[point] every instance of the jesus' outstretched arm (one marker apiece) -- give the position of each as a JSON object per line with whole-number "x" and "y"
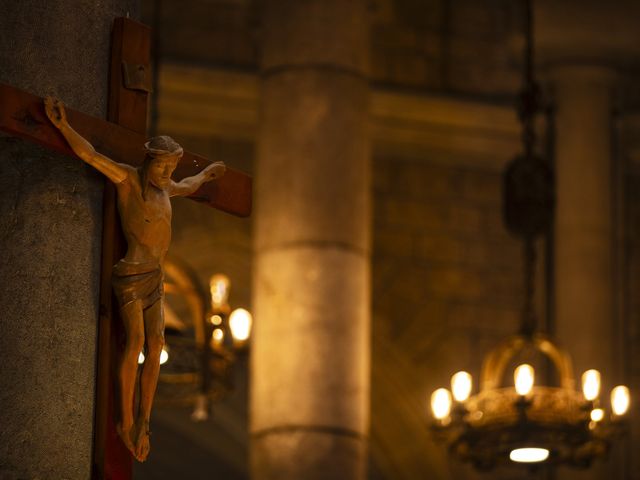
{"x": 189, "y": 185}
{"x": 114, "y": 171}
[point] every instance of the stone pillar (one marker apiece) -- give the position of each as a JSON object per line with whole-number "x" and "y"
{"x": 310, "y": 350}
{"x": 50, "y": 230}
{"x": 581, "y": 66}
{"x": 584, "y": 261}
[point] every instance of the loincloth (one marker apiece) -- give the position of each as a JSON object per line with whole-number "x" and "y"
{"x": 137, "y": 281}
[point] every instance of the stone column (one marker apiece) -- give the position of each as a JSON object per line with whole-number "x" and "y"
{"x": 50, "y": 230}
{"x": 584, "y": 261}
{"x": 581, "y": 64}
{"x": 310, "y": 352}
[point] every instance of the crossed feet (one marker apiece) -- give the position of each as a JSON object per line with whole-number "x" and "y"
{"x": 136, "y": 439}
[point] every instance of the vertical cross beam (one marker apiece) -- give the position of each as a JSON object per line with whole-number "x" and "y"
{"x": 128, "y": 101}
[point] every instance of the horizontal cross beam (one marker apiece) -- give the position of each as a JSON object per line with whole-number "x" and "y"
{"x": 22, "y": 115}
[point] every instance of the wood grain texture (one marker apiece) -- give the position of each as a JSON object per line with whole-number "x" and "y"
{"x": 22, "y": 115}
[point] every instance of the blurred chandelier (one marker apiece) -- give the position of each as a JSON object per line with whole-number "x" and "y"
{"x": 203, "y": 340}
{"x": 528, "y": 423}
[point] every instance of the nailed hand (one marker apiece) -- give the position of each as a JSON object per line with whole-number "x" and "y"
{"x": 215, "y": 170}
{"x": 55, "y": 111}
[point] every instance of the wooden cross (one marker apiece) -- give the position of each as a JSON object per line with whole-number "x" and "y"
{"x": 122, "y": 139}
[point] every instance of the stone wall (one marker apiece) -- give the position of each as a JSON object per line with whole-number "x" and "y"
{"x": 459, "y": 46}
{"x": 448, "y": 45}
{"x": 446, "y": 288}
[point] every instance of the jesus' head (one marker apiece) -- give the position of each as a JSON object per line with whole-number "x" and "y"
{"x": 161, "y": 159}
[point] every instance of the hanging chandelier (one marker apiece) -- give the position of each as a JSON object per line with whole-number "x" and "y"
{"x": 527, "y": 422}
{"x": 204, "y": 340}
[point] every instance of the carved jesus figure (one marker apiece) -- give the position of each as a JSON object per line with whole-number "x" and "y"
{"x": 145, "y": 214}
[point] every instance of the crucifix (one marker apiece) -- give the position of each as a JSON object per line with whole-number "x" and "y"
{"x": 145, "y": 212}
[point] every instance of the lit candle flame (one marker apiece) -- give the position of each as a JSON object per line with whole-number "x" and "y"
{"x": 591, "y": 384}
{"x": 441, "y": 403}
{"x": 461, "y": 385}
{"x": 620, "y": 400}
{"x": 164, "y": 356}
{"x": 217, "y": 337}
{"x": 240, "y": 322}
{"x": 524, "y": 378}
{"x": 219, "y": 287}
{"x": 597, "y": 414}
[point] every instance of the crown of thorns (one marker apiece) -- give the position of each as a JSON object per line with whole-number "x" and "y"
{"x": 162, "y": 146}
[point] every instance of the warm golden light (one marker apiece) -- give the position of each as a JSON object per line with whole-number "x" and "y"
{"x": 164, "y": 356}
{"x": 620, "y": 400}
{"x": 217, "y": 337}
{"x": 215, "y": 319}
{"x": 529, "y": 455}
{"x": 591, "y": 385}
{"x": 461, "y": 384}
{"x": 201, "y": 411}
{"x": 441, "y": 403}
{"x": 524, "y": 377}
{"x": 219, "y": 285}
{"x": 240, "y": 324}
{"x": 597, "y": 414}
